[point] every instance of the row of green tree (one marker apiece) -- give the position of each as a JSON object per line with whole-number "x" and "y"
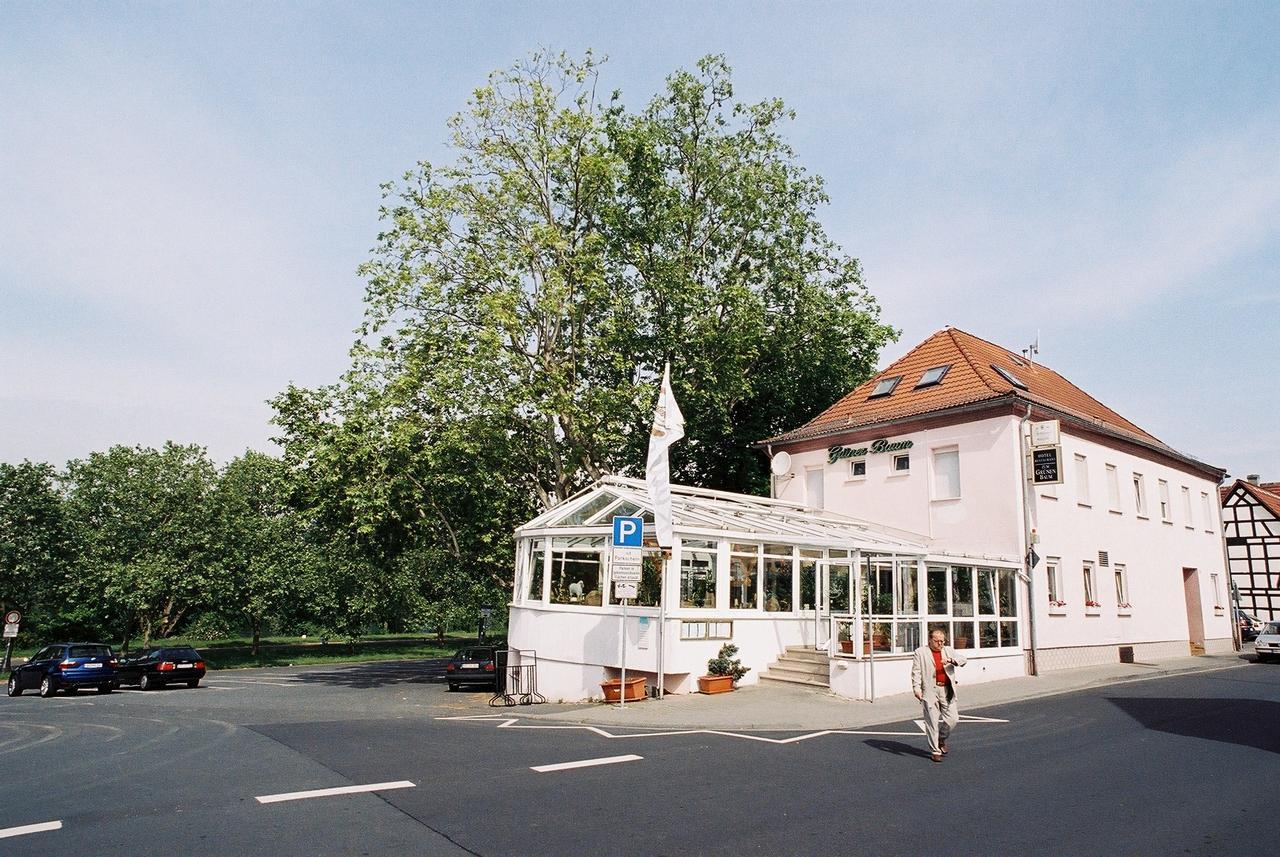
{"x": 520, "y": 303}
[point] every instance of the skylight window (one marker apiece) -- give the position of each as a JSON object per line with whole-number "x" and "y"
{"x": 932, "y": 376}
{"x": 1009, "y": 376}
{"x": 885, "y": 387}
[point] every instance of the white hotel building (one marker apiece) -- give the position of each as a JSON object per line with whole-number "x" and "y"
{"x": 901, "y": 508}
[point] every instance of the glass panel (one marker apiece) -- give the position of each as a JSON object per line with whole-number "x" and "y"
{"x": 535, "y": 573}
{"x": 908, "y": 589}
{"x": 1008, "y": 633}
{"x": 625, "y": 508}
{"x": 944, "y": 627}
{"x": 575, "y": 578}
{"x": 987, "y": 636}
{"x": 986, "y": 591}
{"x": 777, "y": 585}
{"x": 882, "y": 585}
{"x": 838, "y": 597}
{"x": 908, "y": 639}
{"x": 751, "y": 549}
{"x": 961, "y": 590}
{"x": 880, "y": 635}
{"x": 808, "y": 584}
{"x": 834, "y": 553}
{"x": 742, "y": 582}
{"x": 649, "y": 591}
{"x": 1051, "y": 574}
{"x": 1008, "y": 595}
{"x": 962, "y": 635}
{"x": 936, "y": 587}
{"x": 697, "y": 576}
{"x": 815, "y": 554}
{"x": 584, "y": 512}
{"x": 777, "y": 550}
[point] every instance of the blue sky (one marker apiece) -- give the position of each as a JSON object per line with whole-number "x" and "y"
{"x": 186, "y": 190}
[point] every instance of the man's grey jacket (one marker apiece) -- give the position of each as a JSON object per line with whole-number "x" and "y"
{"x": 922, "y": 669}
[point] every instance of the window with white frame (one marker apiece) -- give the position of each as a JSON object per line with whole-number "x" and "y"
{"x": 1139, "y": 495}
{"x": 1122, "y": 587}
{"x": 576, "y": 571}
{"x": 699, "y": 570}
{"x": 1166, "y": 507}
{"x": 902, "y": 463}
{"x": 744, "y": 576}
{"x": 779, "y": 578}
{"x": 1113, "y": 488}
{"x": 1187, "y": 512}
{"x": 858, "y": 468}
{"x": 1090, "y": 589}
{"x": 1082, "y": 480}
{"x": 946, "y": 473}
{"x": 1210, "y": 512}
{"x": 1216, "y": 587}
{"x": 1053, "y": 577}
{"x": 974, "y": 607}
{"x": 535, "y": 571}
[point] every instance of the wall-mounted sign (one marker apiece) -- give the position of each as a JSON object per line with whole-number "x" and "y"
{"x": 624, "y": 589}
{"x": 1045, "y": 433}
{"x": 1046, "y": 465}
{"x": 837, "y": 453}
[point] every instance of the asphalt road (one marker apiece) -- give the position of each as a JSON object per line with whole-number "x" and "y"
{"x": 1168, "y": 766}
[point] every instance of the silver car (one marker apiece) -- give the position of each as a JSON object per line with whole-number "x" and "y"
{"x": 1267, "y": 646}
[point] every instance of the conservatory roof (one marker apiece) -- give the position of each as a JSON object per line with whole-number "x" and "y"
{"x": 702, "y": 512}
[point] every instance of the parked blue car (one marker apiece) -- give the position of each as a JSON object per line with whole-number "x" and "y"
{"x": 69, "y": 667}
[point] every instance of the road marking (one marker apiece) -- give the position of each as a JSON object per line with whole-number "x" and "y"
{"x": 503, "y": 722}
{"x": 341, "y": 790}
{"x": 30, "y": 828}
{"x": 585, "y": 763}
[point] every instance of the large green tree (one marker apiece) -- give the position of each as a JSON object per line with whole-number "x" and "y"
{"x": 522, "y": 300}
{"x": 34, "y": 542}
{"x": 143, "y": 528}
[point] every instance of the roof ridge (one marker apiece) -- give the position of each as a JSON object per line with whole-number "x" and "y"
{"x": 964, "y": 352}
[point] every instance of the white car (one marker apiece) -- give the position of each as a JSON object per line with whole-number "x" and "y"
{"x": 1267, "y": 646}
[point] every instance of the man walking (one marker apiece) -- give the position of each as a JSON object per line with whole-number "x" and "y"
{"x": 933, "y": 678}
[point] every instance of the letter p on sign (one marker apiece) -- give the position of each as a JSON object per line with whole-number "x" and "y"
{"x": 628, "y": 532}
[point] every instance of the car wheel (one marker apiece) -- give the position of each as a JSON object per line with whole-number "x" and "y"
{"x": 145, "y": 682}
{"x": 105, "y": 688}
{"x": 195, "y": 682}
{"x": 47, "y": 687}
{"x": 453, "y": 685}
{"x": 15, "y": 689}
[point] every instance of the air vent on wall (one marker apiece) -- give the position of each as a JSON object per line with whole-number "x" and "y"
{"x": 1104, "y": 559}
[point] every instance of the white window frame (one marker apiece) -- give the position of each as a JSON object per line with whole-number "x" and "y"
{"x": 906, "y": 471}
{"x": 1053, "y": 584}
{"x": 1139, "y": 494}
{"x": 1209, "y": 512}
{"x": 937, "y": 485}
{"x": 1166, "y": 504}
{"x": 1216, "y": 586}
{"x": 1113, "y": 489}
{"x": 1188, "y": 508}
{"x": 857, "y": 477}
{"x": 1082, "y": 480}
{"x": 1090, "y": 588}
{"x": 1122, "y": 588}
{"x": 809, "y": 474}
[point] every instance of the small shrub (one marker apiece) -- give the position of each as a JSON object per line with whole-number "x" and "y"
{"x": 726, "y": 664}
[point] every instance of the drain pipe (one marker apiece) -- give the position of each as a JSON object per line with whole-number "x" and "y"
{"x": 1026, "y": 533}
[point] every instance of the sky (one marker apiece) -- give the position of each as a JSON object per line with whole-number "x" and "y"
{"x": 186, "y": 190}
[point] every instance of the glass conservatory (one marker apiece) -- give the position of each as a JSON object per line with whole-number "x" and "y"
{"x": 765, "y": 574}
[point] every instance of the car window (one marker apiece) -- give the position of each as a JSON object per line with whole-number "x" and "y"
{"x": 89, "y": 652}
{"x": 1272, "y": 628}
{"x": 44, "y": 654}
{"x": 186, "y": 654}
{"x": 477, "y": 654}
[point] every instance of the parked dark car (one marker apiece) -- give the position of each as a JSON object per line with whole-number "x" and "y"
{"x": 1249, "y": 626}
{"x": 66, "y": 666}
{"x": 160, "y": 666}
{"x": 473, "y": 666}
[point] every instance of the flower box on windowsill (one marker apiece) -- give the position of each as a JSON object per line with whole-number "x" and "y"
{"x": 1057, "y": 608}
{"x": 1218, "y": 611}
{"x": 1124, "y": 609}
{"x": 1092, "y": 608}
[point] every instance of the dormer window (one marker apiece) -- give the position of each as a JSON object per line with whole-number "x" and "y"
{"x": 932, "y": 376}
{"x": 885, "y": 387}
{"x": 1009, "y": 376}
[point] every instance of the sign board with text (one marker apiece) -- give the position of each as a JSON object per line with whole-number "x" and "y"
{"x": 625, "y": 589}
{"x": 11, "y": 629}
{"x": 1045, "y": 433}
{"x": 1046, "y": 465}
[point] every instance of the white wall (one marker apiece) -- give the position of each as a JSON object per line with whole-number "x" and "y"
{"x": 852, "y": 678}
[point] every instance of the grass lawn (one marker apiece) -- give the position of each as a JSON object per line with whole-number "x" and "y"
{"x": 289, "y": 651}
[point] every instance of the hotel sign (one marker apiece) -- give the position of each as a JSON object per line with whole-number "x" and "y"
{"x": 1046, "y": 465}
{"x": 838, "y": 453}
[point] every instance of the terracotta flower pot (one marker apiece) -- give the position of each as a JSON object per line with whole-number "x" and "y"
{"x": 715, "y": 683}
{"x": 846, "y": 646}
{"x": 613, "y": 689}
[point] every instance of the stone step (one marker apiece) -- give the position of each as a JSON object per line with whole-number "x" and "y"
{"x": 805, "y": 654}
{"x": 810, "y": 667}
{"x": 787, "y": 672}
{"x": 793, "y": 678}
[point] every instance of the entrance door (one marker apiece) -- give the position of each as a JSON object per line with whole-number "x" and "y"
{"x": 1195, "y": 614}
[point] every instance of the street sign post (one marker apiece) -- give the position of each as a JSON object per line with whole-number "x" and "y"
{"x": 625, "y": 560}
{"x": 11, "y": 622}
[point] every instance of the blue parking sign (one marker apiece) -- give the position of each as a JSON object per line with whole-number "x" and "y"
{"x": 628, "y": 532}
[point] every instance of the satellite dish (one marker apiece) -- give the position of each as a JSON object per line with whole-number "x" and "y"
{"x": 780, "y": 464}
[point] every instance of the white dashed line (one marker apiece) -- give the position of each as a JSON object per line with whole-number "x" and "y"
{"x": 30, "y": 828}
{"x": 585, "y": 763}
{"x": 341, "y": 790}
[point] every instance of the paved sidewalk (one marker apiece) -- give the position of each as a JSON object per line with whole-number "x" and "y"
{"x": 774, "y": 706}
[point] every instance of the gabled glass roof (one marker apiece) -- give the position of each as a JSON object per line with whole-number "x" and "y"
{"x": 701, "y": 512}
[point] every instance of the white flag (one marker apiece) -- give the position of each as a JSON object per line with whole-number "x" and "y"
{"x": 668, "y": 427}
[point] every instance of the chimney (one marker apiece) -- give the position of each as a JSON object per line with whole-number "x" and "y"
{"x": 1253, "y": 478}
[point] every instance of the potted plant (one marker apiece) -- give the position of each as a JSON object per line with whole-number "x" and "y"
{"x": 723, "y": 671}
{"x": 846, "y": 638}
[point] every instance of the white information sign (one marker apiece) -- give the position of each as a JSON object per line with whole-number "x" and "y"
{"x": 627, "y": 556}
{"x": 11, "y": 629}
{"x": 1045, "y": 433}
{"x": 626, "y": 573}
{"x": 625, "y": 589}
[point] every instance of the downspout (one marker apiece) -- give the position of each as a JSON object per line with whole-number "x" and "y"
{"x": 1026, "y": 533}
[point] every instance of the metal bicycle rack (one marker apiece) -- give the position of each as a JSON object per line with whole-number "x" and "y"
{"x": 516, "y": 684}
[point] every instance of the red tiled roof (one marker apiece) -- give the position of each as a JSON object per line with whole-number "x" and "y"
{"x": 970, "y": 379}
{"x": 1267, "y": 493}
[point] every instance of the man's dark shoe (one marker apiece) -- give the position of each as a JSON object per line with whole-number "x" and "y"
{"x": 943, "y": 747}
{"x": 937, "y": 757}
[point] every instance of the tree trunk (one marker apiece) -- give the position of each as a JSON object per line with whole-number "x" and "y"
{"x": 145, "y": 622}
{"x": 257, "y": 633}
